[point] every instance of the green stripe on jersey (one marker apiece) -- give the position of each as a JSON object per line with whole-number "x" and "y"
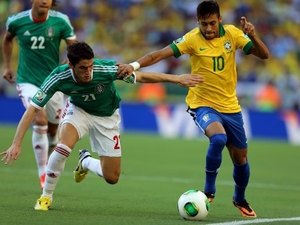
{"x": 98, "y": 97}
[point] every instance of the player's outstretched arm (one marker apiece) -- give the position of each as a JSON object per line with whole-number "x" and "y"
{"x": 186, "y": 80}
{"x": 13, "y": 152}
{"x": 146, "y": 60}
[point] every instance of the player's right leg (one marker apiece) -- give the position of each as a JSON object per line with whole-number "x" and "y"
{"x": 54, "y": 109}
{"x": 56, "y": 164}
{"x": 74, "y": 126}
{"x": 209, "y": 121}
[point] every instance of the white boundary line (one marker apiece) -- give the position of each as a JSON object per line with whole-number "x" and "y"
{"x": 266, "y": 220}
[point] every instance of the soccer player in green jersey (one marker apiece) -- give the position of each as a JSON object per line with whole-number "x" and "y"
{"x": 93, "y": 109}
{"x": 39, "y": 32}
{"x": 213, "y": 104}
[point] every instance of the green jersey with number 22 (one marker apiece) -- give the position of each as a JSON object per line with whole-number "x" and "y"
{"x": 39, "y": 43}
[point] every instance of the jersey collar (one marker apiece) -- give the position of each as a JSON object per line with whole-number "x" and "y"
{"x": 37, "y": 21}
{"x": 221, "y": 30}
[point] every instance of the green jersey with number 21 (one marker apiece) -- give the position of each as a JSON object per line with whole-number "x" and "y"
{"x": 98, "y": 97}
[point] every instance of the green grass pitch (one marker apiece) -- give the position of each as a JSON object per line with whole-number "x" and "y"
{"x": 155, "y": 171}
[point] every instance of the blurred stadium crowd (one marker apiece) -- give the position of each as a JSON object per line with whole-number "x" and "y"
{"x": 125, "y": 30}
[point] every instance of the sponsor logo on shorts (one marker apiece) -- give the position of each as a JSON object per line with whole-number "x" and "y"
{"x": 205, "y": 118}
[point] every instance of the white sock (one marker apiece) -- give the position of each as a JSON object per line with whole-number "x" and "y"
{"x": 92, "y": 165}
{"x": 40, "y": 147}
{"x": 55, "y": 167}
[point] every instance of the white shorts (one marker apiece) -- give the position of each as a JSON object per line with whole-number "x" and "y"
{"x": 104, "y": 132}
{"x": 53, "y": 108}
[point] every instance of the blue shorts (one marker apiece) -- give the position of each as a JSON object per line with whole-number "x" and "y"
{"x": 232, "y": 122}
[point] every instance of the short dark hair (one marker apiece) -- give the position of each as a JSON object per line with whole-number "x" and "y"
{"x": 207, "y": 8}
{"x": 79, "y": 51}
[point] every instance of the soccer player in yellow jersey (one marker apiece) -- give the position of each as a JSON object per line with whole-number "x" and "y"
{"x": 213, "y": 104}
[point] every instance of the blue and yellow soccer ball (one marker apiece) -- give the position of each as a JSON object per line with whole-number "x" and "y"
{"x": 193, "y": 205}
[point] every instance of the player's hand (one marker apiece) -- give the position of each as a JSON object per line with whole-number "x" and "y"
{"x": 9, "y": 76}
{"x": 124, "y": 70}
{"x": 190, "y": 80}
{"x": 247, "y": 27}
{"x": 11, "y": 154}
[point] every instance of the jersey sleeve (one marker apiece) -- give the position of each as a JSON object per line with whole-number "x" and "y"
{"x": 40, "y": 99}
{"x": 46, "y": 91}
{"x": 182, "y": 45}
{"x": 242, "y": 40}
{"x": 10, "y": 25}
{"x": 67, "y": 28}
{"x": 107, "y": 67}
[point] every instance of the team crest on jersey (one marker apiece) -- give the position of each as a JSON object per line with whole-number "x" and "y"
{"x": 228, "y": 46}
{"x": 40, "y": 96}
{"x": 50, "y": 32}
{"x": 99, "y": 88}
{"x": 179, "y": 40}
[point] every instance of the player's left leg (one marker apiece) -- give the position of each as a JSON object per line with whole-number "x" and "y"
{"x": 111, "y": 167}
{"x": 237, "y": 147}
{"x": 241, "y": 171}
{"x": 106, "y": 167}
{"x": 105, "y": 141}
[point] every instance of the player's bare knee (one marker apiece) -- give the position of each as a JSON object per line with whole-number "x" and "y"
{"x": 112, "y": 178}
{"x": 239, "y": 159}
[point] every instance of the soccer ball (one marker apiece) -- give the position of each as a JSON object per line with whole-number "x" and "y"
{"x": 193, "y": 205}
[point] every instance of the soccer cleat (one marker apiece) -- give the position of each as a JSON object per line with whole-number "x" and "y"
{"x": 210, "y": 196}
{"x": 42, "y": 180}
{"x": 80, "y": 173}
{"x": 43, "y": 203}
{"x": 245, "y": 209}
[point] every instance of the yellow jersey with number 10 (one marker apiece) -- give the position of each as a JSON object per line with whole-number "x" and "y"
{"x": 215, "y": 61}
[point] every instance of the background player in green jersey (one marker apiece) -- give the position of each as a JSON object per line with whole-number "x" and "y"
{"x": 213, "y": 104}
{"x": 93, "y": 109}
{"x": 39, "y": 32}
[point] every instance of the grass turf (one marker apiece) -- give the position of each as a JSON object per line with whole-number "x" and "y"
{"x": 155, "y": 171}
